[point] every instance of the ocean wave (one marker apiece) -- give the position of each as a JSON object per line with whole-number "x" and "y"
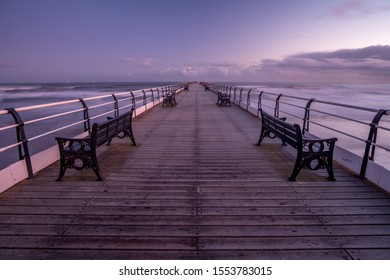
{"x": 18, "y": 88}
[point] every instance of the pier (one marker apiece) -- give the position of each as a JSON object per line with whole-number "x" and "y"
{"x": 196, "y": 186}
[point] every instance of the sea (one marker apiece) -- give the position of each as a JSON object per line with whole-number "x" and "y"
{"x": 351, "y": 134}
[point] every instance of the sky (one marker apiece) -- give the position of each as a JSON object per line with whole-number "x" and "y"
{"x": 186, "y": 40}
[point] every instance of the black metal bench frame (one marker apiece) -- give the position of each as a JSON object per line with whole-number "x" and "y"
{"x": 312, "y": 153}
{"x": 169, "y": 99}
{"x": 223, "y": 99}
{"x": 79, "y": 153}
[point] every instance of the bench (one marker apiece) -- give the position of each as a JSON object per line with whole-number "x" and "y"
{"x": 169, "y": 99}
{"x": 312, "y": 153}
{"x": 79, "y": 153}
{"x": 223, "y": 99}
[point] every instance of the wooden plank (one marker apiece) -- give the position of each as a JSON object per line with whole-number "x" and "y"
{"x": 381, "y": 210}
{"x": 302, "y": 243}
{"x": 145, "y": 210}
{"x": 119, "y": 254}
{"x": 356, "y": 219}
{"x": 97, "y": 242}
{"x": 39, "y": 210}
{"x": 369, "y": 254}
{"x": 130, "y": 219}
{"x": 293, "y": 231}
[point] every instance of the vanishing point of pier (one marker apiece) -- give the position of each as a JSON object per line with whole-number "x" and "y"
{"x": 195, "y": 187}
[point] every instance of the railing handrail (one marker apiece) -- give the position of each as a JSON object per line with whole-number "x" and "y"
{"x": 349, "y": 106}
{"x": 374, "y": 125}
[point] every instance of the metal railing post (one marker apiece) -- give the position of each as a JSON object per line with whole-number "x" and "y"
{"x": 144, "y": 99}
{"x": 132, "y": 99}
{"x": 152, "y": 96}
{"x": 259, "y": 103}
{"x": 306, "y": 118}
{"x": 372, "y": 135}
{"x": 87, "y": 120}
{"x": 116, "y": 105}
{"x": 277, "y": 106}
{"x": 240, "y": 97}
{"x": 248, "y": 99}
{"x": 21, "y": 137}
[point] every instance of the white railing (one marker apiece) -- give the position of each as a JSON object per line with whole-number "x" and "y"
{"x": 367, "y": 128}
{"x": 34, "y": 125}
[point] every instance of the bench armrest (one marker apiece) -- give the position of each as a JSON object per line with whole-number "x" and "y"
{"x": 74, "y": 144}
{"x": 331, "y": 139}
{"x": 314, "y": 145}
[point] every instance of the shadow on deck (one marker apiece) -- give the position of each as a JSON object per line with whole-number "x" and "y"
{"x": 196, "y": 187}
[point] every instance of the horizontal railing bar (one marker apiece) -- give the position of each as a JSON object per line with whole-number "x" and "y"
{"x": 54, "y": 116}
{"x": 336, "y": 130}
{"x": 102, "y": 114}
{"x": 268, "y": 98}
{"x": 55, "y": 130}
{"x": 126, "y": 106}
{"x": 380, "y": 146}
{"x": 290, "y": 114}
{"x": 3, "y": 149}
{"x": 124, "y": 99}
{"x": 294, "y": 97}
{"x": 101, "y": 105}
{"x": 382, "y": 127}
{"x": 97, "y": 97}
{"x": 41, "y": 106}
{"x": 347, "y": 106}
{"x": 8, "y": 127}
{"x": 283, "y": 95}
{"x": 122, "y": 93}
{"x": 325, "y": 102}
{"x": 3, "y": 112}
{"x": 292, "y": 105}
{"x": 338, "y": 116}
{"x": 265, "y": 105}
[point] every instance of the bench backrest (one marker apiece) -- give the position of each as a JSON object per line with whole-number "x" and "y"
{"x": 289, "y": 133}
{"x": 103, "y": 132}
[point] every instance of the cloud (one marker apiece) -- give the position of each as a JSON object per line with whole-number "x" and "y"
{"x": 369, "y": 64}
{"x": 211, "y": 71}
{"x": 355, "y": 9}
{"x": 140, "y": 62}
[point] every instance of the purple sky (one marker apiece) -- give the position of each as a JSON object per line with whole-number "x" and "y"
{"x": 184, "y": 40}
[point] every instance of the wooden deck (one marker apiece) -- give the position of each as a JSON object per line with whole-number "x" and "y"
{"x": 196, "y": 187}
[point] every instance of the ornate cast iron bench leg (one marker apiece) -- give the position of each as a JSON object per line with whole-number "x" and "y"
{"x": 315, "y": 154}
{"x": 78, "y": 154}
